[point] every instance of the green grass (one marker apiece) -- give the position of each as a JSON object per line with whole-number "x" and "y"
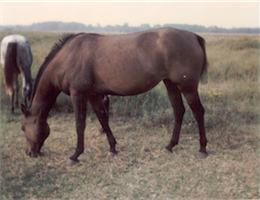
{"x": 142, "y": 126}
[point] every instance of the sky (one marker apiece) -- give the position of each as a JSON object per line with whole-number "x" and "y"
{"x": 224, "y": 14}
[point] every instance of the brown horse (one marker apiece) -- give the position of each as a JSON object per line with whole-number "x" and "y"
{"x": 90, "y": 66}
{"x": 16, "y": 58}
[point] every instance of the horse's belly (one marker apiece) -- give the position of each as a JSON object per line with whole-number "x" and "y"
{"x": 130, "y": 85}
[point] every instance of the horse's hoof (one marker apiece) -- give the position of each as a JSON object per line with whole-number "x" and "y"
{"x": 167, "y": 151}
{"x": 202, "y": 154}
{"x": 70, "y": 162}
{"x": 101, "y": 132}
{"x": 111, "y": 154}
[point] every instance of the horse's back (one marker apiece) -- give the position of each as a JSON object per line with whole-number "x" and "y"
{"x": 113, "y": 64}
{"x": 127, "y": 64}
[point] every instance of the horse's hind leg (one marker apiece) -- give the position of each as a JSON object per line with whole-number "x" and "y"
{"x": 101, "y": 111}
{"x": 193, "y": 100}
{"x": 10, "y": 90}
{"x": 16, "y": 89}
{"x": 174, "y": 95}
{"x": 105, "y": 102}
{"x": 11, "y": 94}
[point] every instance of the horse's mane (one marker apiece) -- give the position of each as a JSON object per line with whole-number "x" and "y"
{"x": 55, "y": 49}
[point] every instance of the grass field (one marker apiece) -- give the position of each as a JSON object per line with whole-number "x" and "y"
{"x": 142, "y": 126}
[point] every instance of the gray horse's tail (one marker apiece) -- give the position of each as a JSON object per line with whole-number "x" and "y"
{"x": 10, "y": 65}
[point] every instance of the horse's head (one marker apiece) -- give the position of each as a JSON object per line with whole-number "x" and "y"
{"x": 36, "y": 131}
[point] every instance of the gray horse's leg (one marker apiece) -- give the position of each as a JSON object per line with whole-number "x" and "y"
{"x": 16, "y": 89}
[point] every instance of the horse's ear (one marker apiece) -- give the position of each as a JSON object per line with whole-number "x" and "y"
{"x": 24, "y": 110}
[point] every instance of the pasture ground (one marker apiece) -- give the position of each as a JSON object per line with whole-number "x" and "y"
{"x": 142, "y": 126}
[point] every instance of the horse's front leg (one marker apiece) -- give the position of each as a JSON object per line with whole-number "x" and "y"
{"x": 80, "y": 108}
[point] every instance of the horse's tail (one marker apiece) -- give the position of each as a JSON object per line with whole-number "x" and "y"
{"x": 10, "y": 66}
{"x": 205, "y": 62}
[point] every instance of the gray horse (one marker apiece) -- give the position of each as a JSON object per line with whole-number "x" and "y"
{"x": 16, "y": 58}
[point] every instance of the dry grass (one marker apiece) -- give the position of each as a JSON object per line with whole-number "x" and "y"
{"x": 139, "y": 171}
{"x": 142, "y": 126}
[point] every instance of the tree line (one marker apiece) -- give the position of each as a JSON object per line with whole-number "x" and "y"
{"x": 125, "y": 28}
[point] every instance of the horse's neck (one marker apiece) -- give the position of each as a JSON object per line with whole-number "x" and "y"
{"x": 44, "y": 99}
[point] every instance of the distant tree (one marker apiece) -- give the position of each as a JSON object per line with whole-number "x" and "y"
{"x": 145, "y": 27}
{"x": 125, "y": 28}
{"x": 157, "y": 26}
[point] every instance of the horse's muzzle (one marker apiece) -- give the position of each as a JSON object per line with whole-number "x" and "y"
{"x": 32, "y": 154}
{"x": 33, "y": 150}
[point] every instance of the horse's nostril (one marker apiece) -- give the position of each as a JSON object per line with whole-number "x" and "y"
{"x": 29, "y": 153}
{"x": 32, "y": 153}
